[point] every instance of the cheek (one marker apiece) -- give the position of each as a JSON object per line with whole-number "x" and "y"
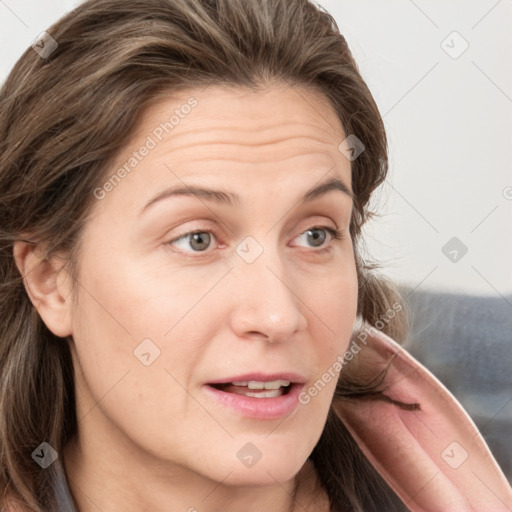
{"x": 131, "y": 372}
{"x": 332, "y": 307}
{"x": 138, "y": 299}
{"x": 141, "y": 329}
{"x": 333, "y": 304}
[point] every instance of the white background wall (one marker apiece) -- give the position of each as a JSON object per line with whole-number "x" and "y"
{"x": 449, "y": 123}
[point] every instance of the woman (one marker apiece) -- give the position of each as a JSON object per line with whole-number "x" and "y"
{"x": 187, "y": 322}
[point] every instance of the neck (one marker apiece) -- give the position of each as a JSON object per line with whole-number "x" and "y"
{"x": 101, "y": 479}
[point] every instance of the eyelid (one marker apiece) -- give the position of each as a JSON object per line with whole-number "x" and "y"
{"x": 198, "y": 229}
{"x": 335, "y": 234}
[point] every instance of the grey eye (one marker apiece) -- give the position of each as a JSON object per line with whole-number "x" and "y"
{"x": 198, "y": 241}
{"x": 316, "y": 235}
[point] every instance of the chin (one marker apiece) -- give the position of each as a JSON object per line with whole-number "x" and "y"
{"x": 263, "y": 475}
{"x": 276, "y": 464}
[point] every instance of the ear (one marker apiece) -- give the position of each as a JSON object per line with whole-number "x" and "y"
{"x": 48, "y": 285}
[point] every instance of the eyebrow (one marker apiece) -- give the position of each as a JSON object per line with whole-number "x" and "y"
{"x": 233, "y": 199}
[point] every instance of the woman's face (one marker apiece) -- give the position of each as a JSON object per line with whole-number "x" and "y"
{"x": 263, "y": 288}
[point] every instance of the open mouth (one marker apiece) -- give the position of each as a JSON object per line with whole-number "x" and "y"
{"x": 256, "y": 389}
{"x": 259, "y": 399}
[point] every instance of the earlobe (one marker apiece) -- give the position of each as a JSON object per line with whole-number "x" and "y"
{"x": 47, "y": 284}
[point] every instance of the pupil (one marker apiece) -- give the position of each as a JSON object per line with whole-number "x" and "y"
{"x": 315, "y": 236}
{"x": 200, "y": 238}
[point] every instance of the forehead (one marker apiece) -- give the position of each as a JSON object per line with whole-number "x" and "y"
{"x": 275, "y": 141}
{"x": 241, "y": 117}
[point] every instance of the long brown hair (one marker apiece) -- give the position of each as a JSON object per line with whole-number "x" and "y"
{"x": 64, "y": 117}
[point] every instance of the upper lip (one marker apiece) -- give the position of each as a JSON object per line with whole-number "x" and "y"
{"x": 293, "y": 377}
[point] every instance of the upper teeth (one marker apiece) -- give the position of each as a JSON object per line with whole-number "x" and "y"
{"x": 253, "y": 384}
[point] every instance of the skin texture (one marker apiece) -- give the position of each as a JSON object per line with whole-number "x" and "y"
{"x": 149, "y": 437}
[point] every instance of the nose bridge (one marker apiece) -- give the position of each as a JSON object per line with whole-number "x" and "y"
{"x": 266, "y": 301}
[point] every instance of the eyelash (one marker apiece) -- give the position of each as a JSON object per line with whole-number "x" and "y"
{"x": 335, "y": 234}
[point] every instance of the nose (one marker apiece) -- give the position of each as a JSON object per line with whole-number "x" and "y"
{"x": 265, "y": 302}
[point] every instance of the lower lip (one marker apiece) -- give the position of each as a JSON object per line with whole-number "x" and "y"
{"x": 259, "y": 408}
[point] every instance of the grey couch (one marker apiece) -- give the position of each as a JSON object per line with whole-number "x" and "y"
{"x": 466, "y": 342}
